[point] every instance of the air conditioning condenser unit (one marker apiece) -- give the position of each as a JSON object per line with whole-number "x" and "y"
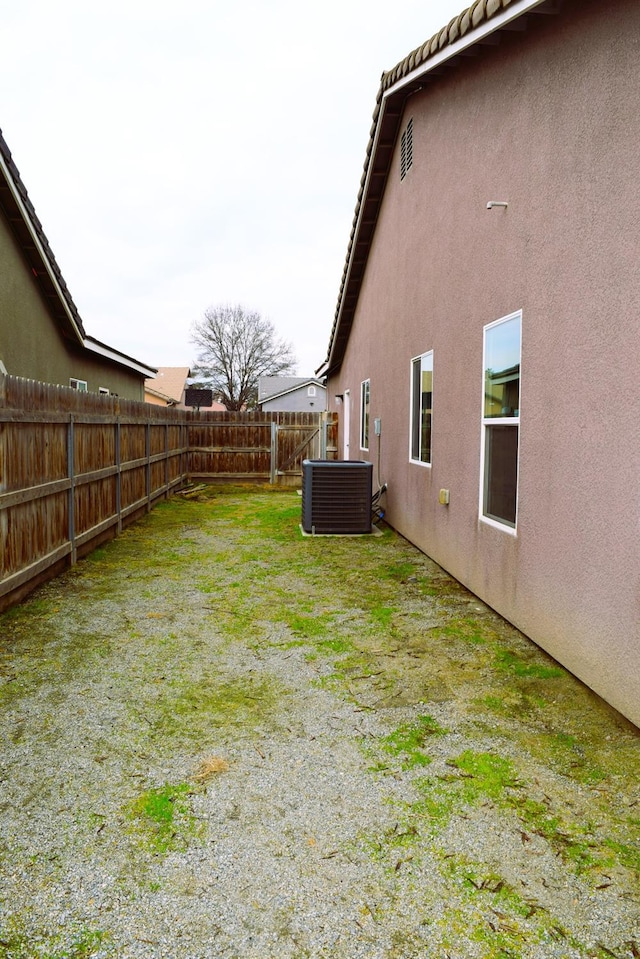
{"x": 336, "y": 496}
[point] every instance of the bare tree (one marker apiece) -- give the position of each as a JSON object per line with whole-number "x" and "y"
{"x": 235, "y": 347}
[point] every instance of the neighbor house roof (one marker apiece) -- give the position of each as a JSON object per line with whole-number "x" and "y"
{"x": 476, "y": 26}
{"x": 26, "y": 227}
{"x": 270, "y": 387}
{"x": 169, "y": 383}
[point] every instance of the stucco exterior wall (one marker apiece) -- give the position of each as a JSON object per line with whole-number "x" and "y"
{"x": 32, "y": 345}
{"x": 548, "y": 121}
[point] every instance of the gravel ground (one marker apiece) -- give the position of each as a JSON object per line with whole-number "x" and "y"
{"x": 222, "y": 739}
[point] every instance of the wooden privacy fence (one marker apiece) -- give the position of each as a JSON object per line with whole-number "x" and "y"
{"x": 262, "y": 447}
{"x": 74, "y": 469}
{"x": 77, "y": 467}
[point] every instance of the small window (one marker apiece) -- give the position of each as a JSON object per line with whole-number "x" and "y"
{"x": 501, "y": 420}
{"x": 311, "y": 391}
{"x": 365, "y": 395}
{"x": 103, "y": 390}
{"x": 80, "y": 385}
{"x": 421, "y": 407}
{"x": 406, "y": 149}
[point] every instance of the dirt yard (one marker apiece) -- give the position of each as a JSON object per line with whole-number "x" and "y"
{"x": 223, "y": 739}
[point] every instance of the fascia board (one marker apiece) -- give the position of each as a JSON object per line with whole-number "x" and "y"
{"x": 485, "y": 29}
{"x": 102, "y": 350}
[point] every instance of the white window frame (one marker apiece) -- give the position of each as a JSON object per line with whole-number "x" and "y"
{"x": 365, "y": 410}
{"x": 80, "y": 385}
{"x": 419, "y": 359}
{"x": 513, "y": 421}
{"x": 311, "y": 391}
{"x": 104, "y": 391}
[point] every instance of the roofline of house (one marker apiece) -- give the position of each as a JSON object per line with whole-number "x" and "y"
{"x": 475, "y": 25}
{"x": 94, "y": 346}
{"x": 20, "y": 197}
{"x": 170, "y": 400}
{"x": 41, "y": 257}
{"x": 312, "y": 381}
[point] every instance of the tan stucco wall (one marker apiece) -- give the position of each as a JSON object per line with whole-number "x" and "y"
{"x": 31, "y": 344}
{"x": 548, "y": 121}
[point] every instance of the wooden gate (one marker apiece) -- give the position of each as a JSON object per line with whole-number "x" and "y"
{"x": 257, "y": 447}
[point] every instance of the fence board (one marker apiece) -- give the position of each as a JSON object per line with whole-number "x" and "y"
{"x": 76, "y": 467}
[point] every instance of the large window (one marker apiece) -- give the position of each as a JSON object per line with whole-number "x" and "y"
{"x": 365, "y": 396}
{"x": 421, "y": 407}
{"x": 501, "y": 420}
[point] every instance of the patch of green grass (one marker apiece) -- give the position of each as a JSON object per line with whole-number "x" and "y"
{"x": 309, "y": 627}
{"x": 408, "y": 741}
{"x": 529, "y": 669}
{"x": 485, "y": 774}
{"x": 477, "y": 776}
{"x": 514, "y": 703}
{"x": 399, "y": 571}
{"x": 489, "y": 912}
{"x": 19, "y": 942}
{"x": 188, "y": 710}
{"x": 335, "y": 645}
{"x": 161, "y": 818}
{"x": 466, "y": 629}
{"x": 382, "y": 615}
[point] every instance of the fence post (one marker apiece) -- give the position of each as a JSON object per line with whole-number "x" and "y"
{"x": 72, "y": 488}
{"x": 148, "y": 468}
{"x": 274, "y": 452}
{"x": 166, "y": 459}
{"x": 323, "y": 436}
{"x": 118, "y": 475}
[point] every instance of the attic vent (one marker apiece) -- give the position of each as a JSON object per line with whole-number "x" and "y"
{"x": 406, "y": 149}
{"x": 336, "y": 496}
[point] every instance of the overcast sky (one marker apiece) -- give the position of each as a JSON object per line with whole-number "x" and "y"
{"x": 187, "y": 154}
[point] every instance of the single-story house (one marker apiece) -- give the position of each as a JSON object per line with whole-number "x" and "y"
{"x": 42, "y": 336}
{"x": 488, "y": 320}
{"x": 292, "y": 394}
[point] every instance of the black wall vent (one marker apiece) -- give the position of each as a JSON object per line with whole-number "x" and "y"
{"x": 336, "y": 496}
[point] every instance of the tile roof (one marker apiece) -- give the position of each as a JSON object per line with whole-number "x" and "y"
{"x": 465, "y": 30}
{"x": 169, "y": 383}
{"x": 466, "y": 21}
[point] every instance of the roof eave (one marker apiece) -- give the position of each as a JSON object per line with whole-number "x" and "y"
{"x": 94, "y": 346}
{"x": 395, "y": 87}
{"x": 312, "y": 381}
{"x": 44, "y": 255}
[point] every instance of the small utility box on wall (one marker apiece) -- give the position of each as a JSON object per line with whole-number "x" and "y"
{"x": 336, "y": 496}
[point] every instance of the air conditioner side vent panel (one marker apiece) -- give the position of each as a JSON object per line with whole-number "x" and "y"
{"x": 336, "y": 496}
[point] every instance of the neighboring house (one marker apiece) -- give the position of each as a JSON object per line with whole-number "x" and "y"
{"x": 41, "y": 334}
{"x": 489, "y": 318}
{"x": 291, "y": 394}
{"x": 168, "y": 386}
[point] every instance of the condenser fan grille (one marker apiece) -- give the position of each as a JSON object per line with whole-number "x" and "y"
{"x": 336, "y": 496}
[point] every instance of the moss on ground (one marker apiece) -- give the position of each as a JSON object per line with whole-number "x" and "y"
{"x": 161, "y": 818}
{"x": 21, "y": 941}
{"x": 386, "y": 630}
